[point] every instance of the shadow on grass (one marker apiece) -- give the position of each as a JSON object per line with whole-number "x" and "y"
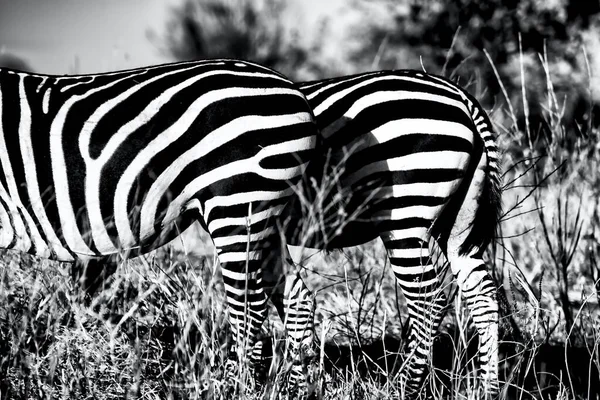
{"x": 538, "y": 372}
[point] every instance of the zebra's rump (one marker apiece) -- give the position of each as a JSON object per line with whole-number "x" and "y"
{"x": 92, "y": 165}
{"x": 395, "y": 147}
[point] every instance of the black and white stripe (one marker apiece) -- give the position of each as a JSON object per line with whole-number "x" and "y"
{"x": 96, "y": 165}
{"x": 413, "y": 157}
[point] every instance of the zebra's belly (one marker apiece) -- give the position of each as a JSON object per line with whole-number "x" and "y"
{"x": 19, "y": 232}
{"x": 150, "y": 242}
{"x": 163, "y": 236}
{"x": 20, "y": 241}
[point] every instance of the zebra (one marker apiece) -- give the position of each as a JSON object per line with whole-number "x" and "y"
{"x": 414, "y": 157}
{"x": 92, "y": 166}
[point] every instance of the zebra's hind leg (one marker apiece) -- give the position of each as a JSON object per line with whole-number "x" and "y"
{"x": 295, "y": 305}
{"x": 474, "y": 281}
{"x": 246, "y": 303}
{"x": 419, "y": 280}
{"x": 242, "y": 268}
{"x": 479, "y": 293}
{"x": 298, "y": 319}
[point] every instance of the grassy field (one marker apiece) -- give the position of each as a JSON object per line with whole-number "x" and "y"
{"x": 159, "y": 329}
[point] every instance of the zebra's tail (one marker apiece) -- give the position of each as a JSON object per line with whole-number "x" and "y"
{"x": 487, "y": 216}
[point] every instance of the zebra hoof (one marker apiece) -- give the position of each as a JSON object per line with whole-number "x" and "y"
{"x": 231, "y": 379}
{"x": 240, "y": 380}
{"x": 488, "y": 391}
{"x": 293, "y": 382}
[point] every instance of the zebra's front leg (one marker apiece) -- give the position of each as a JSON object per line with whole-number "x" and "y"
{"x": 418, "y": 278}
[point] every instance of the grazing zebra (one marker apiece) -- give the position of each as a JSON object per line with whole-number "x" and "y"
{"x": 96, "y": 165}
{"x": 414, "y": 158}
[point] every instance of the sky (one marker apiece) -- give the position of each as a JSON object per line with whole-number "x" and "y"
{"x": 87, "y": 36}
{"x": 84, "y": 36}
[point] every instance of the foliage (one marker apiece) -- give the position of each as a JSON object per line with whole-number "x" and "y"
{"x": 447, "y": 38}
{"x": 248, "y": 29}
